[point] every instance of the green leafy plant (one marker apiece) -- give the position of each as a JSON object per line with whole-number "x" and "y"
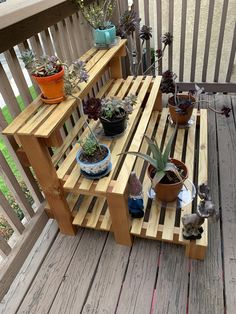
{"x": 44, "y": 66}
{"x": 160, "y": 161}
{"x": 98, "y": 15}
{"x": 90, "y": 145}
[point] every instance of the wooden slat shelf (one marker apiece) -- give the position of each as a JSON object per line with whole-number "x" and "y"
{"x": 79, "y": 185}
{"x": 164, "y": 222}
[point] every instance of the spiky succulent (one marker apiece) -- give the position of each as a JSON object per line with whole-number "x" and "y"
{"x": 90, "y": 145}
{"x": 160, "y": 161}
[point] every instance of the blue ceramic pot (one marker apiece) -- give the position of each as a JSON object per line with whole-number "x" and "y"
{"x": 104, "y": 36}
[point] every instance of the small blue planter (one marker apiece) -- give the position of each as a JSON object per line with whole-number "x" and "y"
{"x": 104, "y": 36}
{"x": 95, "y": 169}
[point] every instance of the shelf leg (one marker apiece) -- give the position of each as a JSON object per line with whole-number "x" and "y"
{"x": 118, "y": 206}
{"x": 40, "y": 160}
{"x": 195, "y": 251}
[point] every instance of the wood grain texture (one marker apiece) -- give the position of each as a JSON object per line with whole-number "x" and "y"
{"x": 50, "y": 275}
{"x": 105, "y": 290}
{"x": 206, "y": 278}
{"x": 172, "y": 282}
{"x": 74, "y": 288}
{"x": 227, "y": 142}
{"x": 12, "y": 264}
{"x": 139, "y": 282}
{"x": 26, "y": 274}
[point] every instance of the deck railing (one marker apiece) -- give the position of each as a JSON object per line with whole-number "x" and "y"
{"x": 203, "y": 51}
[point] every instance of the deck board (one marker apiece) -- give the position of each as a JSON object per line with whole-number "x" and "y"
{"x": 207, "y": 275}
{"x": 149, "y": 277}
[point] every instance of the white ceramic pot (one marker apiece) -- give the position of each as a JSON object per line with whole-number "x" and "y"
{"x": 95, "y": 168}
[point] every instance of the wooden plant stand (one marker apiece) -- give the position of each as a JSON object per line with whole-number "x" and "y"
{"x": 102, "y": 204}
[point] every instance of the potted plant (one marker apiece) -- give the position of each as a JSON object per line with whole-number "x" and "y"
{"x": 94, "y": 158}
{"x": 98, "y": 15}
{"x": 180, "y": 105}
{"x": 167, "y": 175}
{"x": 113, "y": 113}
{"x": 55, "y": 78}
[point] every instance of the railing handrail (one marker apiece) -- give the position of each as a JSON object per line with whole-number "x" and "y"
{"x": 11, "y": 13}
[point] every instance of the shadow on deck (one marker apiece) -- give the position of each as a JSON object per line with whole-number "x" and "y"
{"x": 90, "y": 273}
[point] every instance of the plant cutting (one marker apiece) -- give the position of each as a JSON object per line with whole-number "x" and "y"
{"x": 166, "y": 174}
{"x": 55, "y": 78}
{"x": 113, "y": 113}
{"x": 98, "y": 15}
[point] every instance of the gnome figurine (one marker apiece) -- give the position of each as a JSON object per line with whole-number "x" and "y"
{"x": 135, "y": 200}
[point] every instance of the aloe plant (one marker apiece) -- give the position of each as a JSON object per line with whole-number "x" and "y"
{"x": 160, "y": 161}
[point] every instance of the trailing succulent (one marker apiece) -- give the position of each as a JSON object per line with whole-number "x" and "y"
{"x": 160, "y": 161}
{"x": 44, "y": 66}
{"x": 109, "y": 109}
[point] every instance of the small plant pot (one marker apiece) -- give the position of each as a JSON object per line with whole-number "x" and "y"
{"x": 52, "y": 87}
{"x": 97, "y": 168}
{"x": 168, "y": 192}
{"x": 112, "y": 128}
{"x": 104, "y": 36}
{"x": 177, "y": 117}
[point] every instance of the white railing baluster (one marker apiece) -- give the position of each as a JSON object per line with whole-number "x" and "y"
{"x": 147, "y": 22}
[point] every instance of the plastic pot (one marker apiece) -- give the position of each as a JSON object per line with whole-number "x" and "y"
{"x": 114, "y": 127}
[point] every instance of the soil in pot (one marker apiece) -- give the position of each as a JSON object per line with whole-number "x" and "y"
{"x": 115, "y": 126}
{"x": 99, "y": 155}
{"x": 168, "y": 188}
{"x": 182, "y": 117}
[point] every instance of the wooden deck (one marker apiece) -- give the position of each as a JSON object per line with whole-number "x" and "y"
{"x": 90, "y": 273}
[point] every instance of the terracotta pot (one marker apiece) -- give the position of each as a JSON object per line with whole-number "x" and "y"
{"x": 52, "y": 87}
{"x": 168, "y": 192}
{"x": 181, "y": 119}
{"x": 115, "y": 127}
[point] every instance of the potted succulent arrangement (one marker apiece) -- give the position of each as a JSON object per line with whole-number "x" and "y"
{"x": 55, "y": 78}
{"x": 166, "y": 174}
{"x": 94, "y": 158}
{"x": 113, "y": 113}
{"x": 98, "y": 15}
{"x": 180, "y": 105}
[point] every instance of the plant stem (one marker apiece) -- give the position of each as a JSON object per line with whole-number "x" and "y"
{"x": 141, "y": 56}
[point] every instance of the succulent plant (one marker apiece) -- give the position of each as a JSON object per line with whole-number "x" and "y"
{"x": 160, "y": 161}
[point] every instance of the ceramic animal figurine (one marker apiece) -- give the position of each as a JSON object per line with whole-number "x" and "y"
{"x": 135, "y": 200}
{"x": 192, "y": 223}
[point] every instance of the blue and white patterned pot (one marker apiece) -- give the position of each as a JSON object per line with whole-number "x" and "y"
{"x": 95, "y": 168}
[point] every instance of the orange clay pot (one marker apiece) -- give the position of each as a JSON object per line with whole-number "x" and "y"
{"x": 52, "y": 87}
{"x": 168, "y": 192}
{"x": 177, "y": 118}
